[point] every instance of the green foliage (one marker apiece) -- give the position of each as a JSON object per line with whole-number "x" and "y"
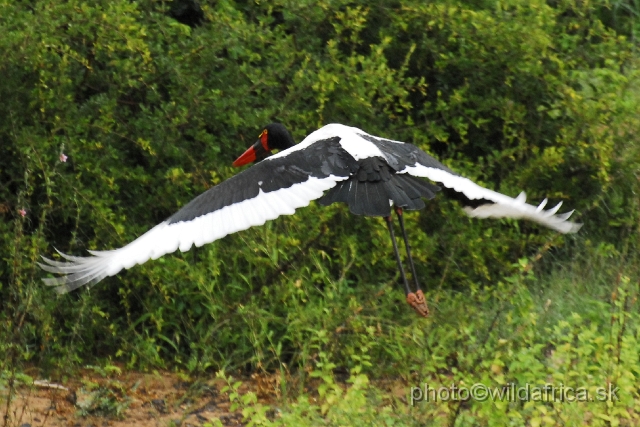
{"x": 522, "y": 335}
{"x": 149, "y": 112}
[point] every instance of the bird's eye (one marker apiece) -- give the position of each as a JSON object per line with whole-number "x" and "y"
{"x": 264, "y": 139}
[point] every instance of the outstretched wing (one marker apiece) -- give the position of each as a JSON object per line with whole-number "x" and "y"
{"x": 478, "y": 201}
{"x": 263, "y": 192}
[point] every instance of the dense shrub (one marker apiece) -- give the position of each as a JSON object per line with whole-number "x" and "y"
{"x": 150, "y": 112}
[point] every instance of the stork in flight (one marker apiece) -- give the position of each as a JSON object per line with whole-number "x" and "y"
{"x": 336, "y": 163}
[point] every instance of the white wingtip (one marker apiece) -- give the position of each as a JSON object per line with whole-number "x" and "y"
{"x": 542, "y": 205}
{"x": 525, "y": 211}
{"x": 554, "y": 209}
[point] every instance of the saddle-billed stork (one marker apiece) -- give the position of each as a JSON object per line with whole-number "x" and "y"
{"x": 368, "y": 173}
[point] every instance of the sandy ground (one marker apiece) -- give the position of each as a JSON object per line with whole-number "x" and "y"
{"x": 145, "y": 400}
{"x": 135, "y": 399}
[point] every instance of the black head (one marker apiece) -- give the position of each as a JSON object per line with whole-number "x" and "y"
{"x": 274, "y": 136}
{"x": 278, "y": 137}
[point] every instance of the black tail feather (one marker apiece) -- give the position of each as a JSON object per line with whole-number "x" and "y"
{"x": 372, "y": 198}
{"x": 339, "y": 193}
{"x": 416, "y": 187}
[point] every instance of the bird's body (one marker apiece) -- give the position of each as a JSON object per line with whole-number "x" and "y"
{"x": 336, "y": 163}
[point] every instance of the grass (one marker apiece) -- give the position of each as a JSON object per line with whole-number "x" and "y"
{"x": 575, "y": 326}
{"x": 572, "y": 324}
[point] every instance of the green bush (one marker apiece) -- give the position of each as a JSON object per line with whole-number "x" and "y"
{"x": 150, "y": 112}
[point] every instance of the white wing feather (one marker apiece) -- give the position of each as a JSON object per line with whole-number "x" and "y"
{"x": 503, "y": 206}
{"x": 165, "y": 238}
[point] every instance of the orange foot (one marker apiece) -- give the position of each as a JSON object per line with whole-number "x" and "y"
{"x": 418, "y": 303}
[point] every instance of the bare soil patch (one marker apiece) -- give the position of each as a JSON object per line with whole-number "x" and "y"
{"x": 130, "y": 399}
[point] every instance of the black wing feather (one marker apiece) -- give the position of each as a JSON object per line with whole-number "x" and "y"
{"x": 319, "y": 160}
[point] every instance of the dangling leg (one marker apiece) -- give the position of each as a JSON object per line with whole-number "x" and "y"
{"x": 389, "y": 220}
{"x": 417, "y": 300}
{"x": 407, "y": 247}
